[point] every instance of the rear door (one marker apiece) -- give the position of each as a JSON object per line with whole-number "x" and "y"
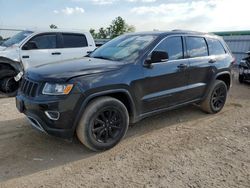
{"x": 74, "y": 46}
{"x": 45, "y": 50}
{"x": 165, "y": 82}
{"x": 201, "y": 69}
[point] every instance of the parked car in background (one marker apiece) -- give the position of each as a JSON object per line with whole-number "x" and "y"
{"x": 125, "y": 80}
{"x": 244, "y": 69}
{"x": 34, "y": 48}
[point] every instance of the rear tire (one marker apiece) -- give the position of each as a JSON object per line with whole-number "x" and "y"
{"x": 103, "y": 124}
{"x": 216, "y": 98}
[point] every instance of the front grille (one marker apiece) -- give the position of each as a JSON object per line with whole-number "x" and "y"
{"x": 29, "y": 88}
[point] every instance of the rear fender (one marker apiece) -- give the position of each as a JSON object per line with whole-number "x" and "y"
{"x": 215, "y": 77}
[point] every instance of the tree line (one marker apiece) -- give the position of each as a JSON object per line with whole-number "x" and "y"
{"x": 117, "y": 27}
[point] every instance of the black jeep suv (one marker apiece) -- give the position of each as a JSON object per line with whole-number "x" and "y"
{"x": 127, "y": 79}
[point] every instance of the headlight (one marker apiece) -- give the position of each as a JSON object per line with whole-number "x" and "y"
{"x": 57, "y": 89}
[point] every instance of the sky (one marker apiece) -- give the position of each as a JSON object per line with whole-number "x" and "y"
{"x": 145, "y": 15}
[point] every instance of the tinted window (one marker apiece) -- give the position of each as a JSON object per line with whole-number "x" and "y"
{"x": 173, "y": 46}
{"x": 197, "y": 47}
{"x": 215, "y": 47}
{"x": 74, "y": 41}
{"x": 47, "y": 41}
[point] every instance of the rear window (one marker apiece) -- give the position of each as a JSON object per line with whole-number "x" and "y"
{"x": 74, "y": 41}
{"x": 215, "y": 47}
{"x": 197, "y": 47}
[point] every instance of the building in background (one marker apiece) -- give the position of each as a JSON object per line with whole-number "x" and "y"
{"x": 238, "y": 42}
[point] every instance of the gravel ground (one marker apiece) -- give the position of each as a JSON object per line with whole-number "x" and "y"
{"x": 180, "y": 148}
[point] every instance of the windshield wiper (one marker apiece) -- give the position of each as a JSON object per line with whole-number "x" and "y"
{"x": 102, "y": 57}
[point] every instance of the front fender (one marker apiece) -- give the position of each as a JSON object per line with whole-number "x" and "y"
{"x": 87, "y": 99}
{"x": 6, "y": 62}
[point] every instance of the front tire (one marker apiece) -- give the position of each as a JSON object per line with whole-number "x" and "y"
{"x": 8, "y": 85}
{"x": 216, "y": 98}
{"x": 103, "y": 124}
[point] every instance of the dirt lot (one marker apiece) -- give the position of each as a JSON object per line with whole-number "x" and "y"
{"x": 181, "y": 148}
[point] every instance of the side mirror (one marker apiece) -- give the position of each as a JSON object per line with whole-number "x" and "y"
{"x": 31, "y": 45}
{"x": 159, "y": 56}
{"x": 156, "y": 57}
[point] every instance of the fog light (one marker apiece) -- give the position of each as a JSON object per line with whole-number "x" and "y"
{"x": 53, "y": 115}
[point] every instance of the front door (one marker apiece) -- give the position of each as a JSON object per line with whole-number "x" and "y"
{"x": 165, "y": 82}
{"x": 42, "y": 49}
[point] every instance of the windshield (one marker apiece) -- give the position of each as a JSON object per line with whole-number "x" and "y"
{"x": 16, "y": 38}
{"x": 124, "y": 48}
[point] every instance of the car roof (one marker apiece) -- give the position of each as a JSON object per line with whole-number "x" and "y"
{"x": 56, "y": 30}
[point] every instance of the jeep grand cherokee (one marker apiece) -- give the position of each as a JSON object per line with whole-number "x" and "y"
{"x": 129, "y": 78}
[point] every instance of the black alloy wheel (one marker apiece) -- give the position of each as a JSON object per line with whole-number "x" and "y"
{"x": 103, "y": 124}
{"x": 219, "y": 97}
{"x": 216, "y": 98}
{"x": 107, "y": 125}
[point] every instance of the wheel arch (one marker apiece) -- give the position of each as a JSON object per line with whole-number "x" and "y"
{"x": 225, "y": 77}
{"x": 122, "y": 95}
{"x": 10, "y": 64}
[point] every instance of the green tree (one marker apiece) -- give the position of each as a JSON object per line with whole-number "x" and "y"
{"x": 117, "y": 27}
{"x": 93, "y": 33}
{"x": 102, "y": 33}
{"x": 1, "y": 38}
{"x": 53, "y": 26}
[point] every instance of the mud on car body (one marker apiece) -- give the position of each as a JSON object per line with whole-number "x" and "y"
{"x": 127, "y": 79}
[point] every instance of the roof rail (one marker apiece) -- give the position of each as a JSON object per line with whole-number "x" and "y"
{"x": 188, "y": 31}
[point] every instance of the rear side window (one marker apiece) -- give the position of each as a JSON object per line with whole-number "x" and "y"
{"x": 47, "y": 41}
{"x": 197, "y": 47}
{"x": 74, "y": 41}
{"x": 215, "y": 47}
{"x": 173, "y": 46}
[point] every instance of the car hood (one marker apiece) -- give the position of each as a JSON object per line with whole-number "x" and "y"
{"x": 65, "y": 70}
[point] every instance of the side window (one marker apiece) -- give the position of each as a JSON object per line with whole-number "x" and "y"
{"x": 173, "y": 46}
{"x": 215, "y": 47}
{"x": 74, "y": 41}
{"x": 47, "y": 41}
{"x": 197, "y": 47}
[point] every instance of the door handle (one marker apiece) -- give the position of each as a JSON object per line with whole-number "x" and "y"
{"x": 56, "y": 53}
{"x": 25, "y": 56}
{"x": 212, "y": 61}
{"x": 182, "y": 66}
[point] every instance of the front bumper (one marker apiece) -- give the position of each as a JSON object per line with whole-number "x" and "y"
{"x": 67, "y": 106}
